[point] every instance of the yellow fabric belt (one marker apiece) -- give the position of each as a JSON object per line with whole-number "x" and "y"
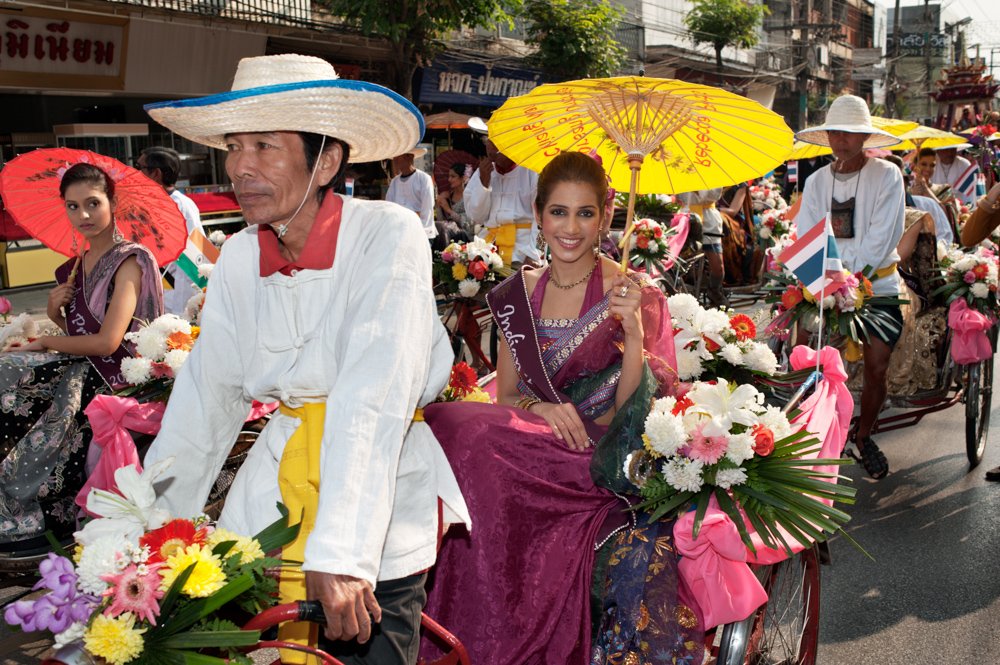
{"x": 298, "y": 481}
{"x": 886, "y": 271}
{"x": 505, "y": 237}
{"x": 700, "y": 208}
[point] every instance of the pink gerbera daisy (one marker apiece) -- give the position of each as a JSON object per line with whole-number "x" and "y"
{"x": 135, "y": 589}
{"x": 708, "y": 449}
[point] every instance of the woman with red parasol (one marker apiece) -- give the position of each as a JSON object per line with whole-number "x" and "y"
{"x": 102, "y": 294}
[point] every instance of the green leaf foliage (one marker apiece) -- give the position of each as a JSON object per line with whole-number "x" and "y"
{"x": 575, "y": 38}
{"x": 723, "y": 23}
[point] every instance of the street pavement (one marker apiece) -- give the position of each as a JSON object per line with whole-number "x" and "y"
{"x": 931, "y": 596}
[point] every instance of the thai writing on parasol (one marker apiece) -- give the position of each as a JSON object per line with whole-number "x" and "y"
{"x": 660, "y": 136}
{"x": 144, "y": 212}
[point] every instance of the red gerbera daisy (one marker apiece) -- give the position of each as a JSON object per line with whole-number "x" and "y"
{"x": 463, "y": 379}
{"x": 743, "y": 326}
{"x": 172, "y": 537}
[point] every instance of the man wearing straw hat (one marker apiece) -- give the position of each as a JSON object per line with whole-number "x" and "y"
{"x": 413, "y": 189}
{"x": 323, "y": 304}
{"x": 500, "y": 196}
{"x": 865, "y": 201}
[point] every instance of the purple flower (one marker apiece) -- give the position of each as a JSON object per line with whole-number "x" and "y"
{"x": 52, "y": 614}
{"x": 57, "y": 576}
{"x": 969, "y": 277}
{"x": 21, "y": 613}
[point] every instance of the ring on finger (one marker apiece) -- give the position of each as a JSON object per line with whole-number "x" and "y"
{"x": 623, "y": 292}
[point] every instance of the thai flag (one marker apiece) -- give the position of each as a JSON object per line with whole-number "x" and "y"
{"x": 792, "y": 174}
{"x": 805, "y": 258}
{"x": 966, "y": 183}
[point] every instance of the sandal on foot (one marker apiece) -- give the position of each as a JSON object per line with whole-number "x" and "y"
{"x": 872, "y": 459}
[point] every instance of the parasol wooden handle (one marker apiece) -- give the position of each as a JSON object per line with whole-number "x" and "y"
{"x": 634, "y": 163}
{"x": 72, "y": 273}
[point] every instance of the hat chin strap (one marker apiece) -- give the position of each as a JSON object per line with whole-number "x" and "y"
{"x": 282, "y": 229}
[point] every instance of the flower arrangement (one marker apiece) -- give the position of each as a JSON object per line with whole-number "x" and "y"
{"x": 162, "y": 346}
{"x": 145, "y": 588}
{"x": 971, "y": 276}
{"x": 766, "y": 195}
{"x": 773, "y": 225}
{"x": 720, "y": 440}
{"x": 22, "y": 329}
{"x": 657, "y": 206}
{"x": 463, "y": 269}
{"x": 850, "y": 314}
{"x": 717, "y": 344}
{"x": 647, "y": 246}
{"x": 463, "y": 386}
{"x": 218, "y": 238}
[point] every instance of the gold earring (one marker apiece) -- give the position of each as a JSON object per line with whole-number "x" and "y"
{"x": 117, "y": 236}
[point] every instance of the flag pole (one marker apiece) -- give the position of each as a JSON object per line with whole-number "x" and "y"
{"x": 819, "y": 301}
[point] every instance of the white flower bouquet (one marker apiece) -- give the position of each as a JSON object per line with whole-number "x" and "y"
{"x": 463, "y": 269}
{"x": 720, "y": 440}
{"x": 648, "y": 248}
{"x": 716, "y": 344}
{"x": 766, "y": 195}
{"x": 971, "y": 276}
{"x": 161, "y": 348}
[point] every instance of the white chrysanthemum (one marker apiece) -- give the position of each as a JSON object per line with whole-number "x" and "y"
{"x": 775, "y": 420}
{"x": 664, "y": 404}
{"x": 205, "y": 270}
{"x": 72, "y": 634}
{"x": 688, "y": 365}
{"x": 137, "y": 370}
{"x": 979, "y": 290}
{"x": 192, "y": 310}
{"x": 964, "y": 264}
{"x": 175, "y": 359}
{"x": 468, "y": 288}
{"x": 665, "y": 432}
{"x": 713, "y": 321}
{"x": 98, "y": 558}
{"x": 496, "y": 261}
{"x": 683, "y": 306}
{"x": 217, "y": 237}
{"x": 761, "y": 358}
{"x": 732, "y": 354}
{"x": 764, "y": 232}
{"x": 829, "y": 302}
{"x": 726, "y": 478}
{"x": 683, "y": 474}
{"x": 149, "y": 343}
{"x": 170, "y": 323}
{"x": 740, "y": 447}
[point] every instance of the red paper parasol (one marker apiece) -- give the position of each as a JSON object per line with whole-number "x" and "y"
{"x": 29, "y": 185}
{"x": 444, "y": 162}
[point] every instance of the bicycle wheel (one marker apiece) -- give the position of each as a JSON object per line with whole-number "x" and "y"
{"x": 978, "y": 400}
{"x": 784, "y": 631}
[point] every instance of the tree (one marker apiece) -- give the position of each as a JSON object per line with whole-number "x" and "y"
{"x": 415, "y": 28}
{"x": 723, "y": 23}
{"x": 575, "y": 38}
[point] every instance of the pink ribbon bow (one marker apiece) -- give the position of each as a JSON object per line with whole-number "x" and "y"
{"x": 714, "y": 568}
{"x": 969, "y": 342}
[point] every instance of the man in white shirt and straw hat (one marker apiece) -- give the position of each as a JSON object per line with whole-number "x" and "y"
{"x": 866, "y": 201}
{"x": 324, "y": 304}
{"x": 413, "y": 189}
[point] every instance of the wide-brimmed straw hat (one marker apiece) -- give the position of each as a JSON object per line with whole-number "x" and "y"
{"x": 298, "y": 93}
{"x": 848, "y": 113}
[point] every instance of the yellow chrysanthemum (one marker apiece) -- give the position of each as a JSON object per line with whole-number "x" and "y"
{"x": 248, "y": 548}
{"x": 115, "y": 639}
{"x": 459, "y": 271}
{"x": 477, "y": 395}
{"x": 207, "y": 576}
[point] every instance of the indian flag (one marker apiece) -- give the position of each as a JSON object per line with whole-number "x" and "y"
{"x": 199, "y": 252}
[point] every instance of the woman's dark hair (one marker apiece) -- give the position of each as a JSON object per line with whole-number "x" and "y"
{"x": 312, "y": 142}
{"x": 926, "y": 152}
{"x": 572, "y": 167}
{"x": 89, "y": 174}
{"x": 458, "y": 168}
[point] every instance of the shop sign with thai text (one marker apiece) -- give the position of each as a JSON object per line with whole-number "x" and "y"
{"x": 919, "y": 44}
{"x": 53, "y": 49}
{"x": 451, "y": 82}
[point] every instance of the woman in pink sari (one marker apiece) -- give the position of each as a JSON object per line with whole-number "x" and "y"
{"x": 581, "y": 342}
{"x": 44, "y": 434}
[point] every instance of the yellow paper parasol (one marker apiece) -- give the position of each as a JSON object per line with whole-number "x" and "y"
{"x": 653, "y": 135}
{"x": 803, "y": 150}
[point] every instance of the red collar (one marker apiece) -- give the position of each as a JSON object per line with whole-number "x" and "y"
{"x": 320, "y": 247}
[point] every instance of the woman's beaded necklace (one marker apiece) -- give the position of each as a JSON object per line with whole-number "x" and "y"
{"x": 567, "y": 287}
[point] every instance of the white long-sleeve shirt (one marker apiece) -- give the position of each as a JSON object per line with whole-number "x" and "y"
{"x": 175, "y": 299}
{"x": 508, "y": 199}
{"x": 942, "y": 228}
{"x": 415, "y": 192}
{"x": 879, "y": 210}
{"x": 362, "y": 336}
{"x": 951, "y": 174}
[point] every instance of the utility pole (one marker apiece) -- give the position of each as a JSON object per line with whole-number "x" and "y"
{"x": 928, "y": 68}
{"x": 890, "y": 96}
{"x": 808, "y": 55}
